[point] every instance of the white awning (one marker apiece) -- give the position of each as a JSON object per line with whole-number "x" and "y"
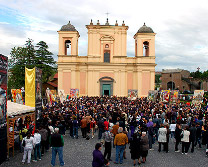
{"x": 14, "y": 109}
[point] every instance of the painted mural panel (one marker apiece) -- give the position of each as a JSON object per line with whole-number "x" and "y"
{"x": 165, "y": 95}
{"x": 74, "y": 93}
{"x": 174, "y": 96}
{"x": 62, "y": 95}
{"x": 152, "y": 95}
{"x": 17, "y": 96}
{"x": 132, "y": 93}
{"x": 198, "y": 96}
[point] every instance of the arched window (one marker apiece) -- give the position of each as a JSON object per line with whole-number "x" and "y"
{"x": 146, "y": 48}
{"x": 67, "y": 47}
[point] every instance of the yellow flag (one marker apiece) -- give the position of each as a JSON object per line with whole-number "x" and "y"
{"x": 30, "y": 87}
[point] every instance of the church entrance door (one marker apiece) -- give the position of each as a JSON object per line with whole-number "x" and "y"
{"x": 106, "y": 89}
{"x": 106, "y": 86}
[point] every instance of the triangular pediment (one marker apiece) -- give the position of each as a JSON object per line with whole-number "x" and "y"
{"x": 107, "y": 38}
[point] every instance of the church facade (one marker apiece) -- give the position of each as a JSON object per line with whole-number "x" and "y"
{"x": 106, "y": 70}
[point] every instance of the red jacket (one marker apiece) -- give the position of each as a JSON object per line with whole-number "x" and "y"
{"x": 106, "y": 123}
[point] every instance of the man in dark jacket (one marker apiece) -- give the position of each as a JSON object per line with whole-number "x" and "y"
{"x": 192, "y": 136}
{"x": 100, "y": 128}
{"x": 57, "y": 143}
{"x": 198, "y": 135}
{"x": 177, "y": 136}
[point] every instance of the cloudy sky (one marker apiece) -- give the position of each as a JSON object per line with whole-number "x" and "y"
{"x": 181, "y": 25}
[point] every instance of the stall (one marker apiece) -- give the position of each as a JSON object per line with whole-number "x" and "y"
{"x": 14, "y": 112}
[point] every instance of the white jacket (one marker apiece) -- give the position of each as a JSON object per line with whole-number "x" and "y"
{"x": 29, "y": 143}
{"x": 162, "y": 135}
{"x": 37, "y": 138}
{"x": 186, "y": 135}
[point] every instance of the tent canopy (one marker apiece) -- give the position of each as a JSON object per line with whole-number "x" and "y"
{"x": 14, "y": 109}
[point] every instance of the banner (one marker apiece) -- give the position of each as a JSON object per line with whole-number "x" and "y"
{"x": 3, "y": 107}
{"x": 38, "y": 92}
{"x": 132, "y": 93}
{"x": 174, "y": 96}
{"x": 152, "y": 95}
{"x": 17, "y": 96}
{"x": 61, "y": 95}
{"x": 30, "y": 87}
{"x": 74, "y": 93}
{"x": 165, "y": 95}
{"x": 198, "y": 96}
{"x": 3, "y": 90}
{"x": 53, "y": 95}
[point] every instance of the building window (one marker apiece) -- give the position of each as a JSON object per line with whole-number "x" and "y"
{"x": 170, "y": 75}
{"x": 145, "y": 48}
{"x": 67, "y": 47}
{"x": 106, "y": 46}
{"x": 107, "y": 57}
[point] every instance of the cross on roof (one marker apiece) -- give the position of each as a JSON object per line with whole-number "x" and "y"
{"x": 107, "y": 14}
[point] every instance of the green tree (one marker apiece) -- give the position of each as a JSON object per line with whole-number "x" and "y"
{"x": 45, "y": 61}
{"x": 29, "y": 57}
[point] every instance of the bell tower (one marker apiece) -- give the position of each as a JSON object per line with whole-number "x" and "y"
{"x": 145, "y": 42}
{"x": 68, "y": 40}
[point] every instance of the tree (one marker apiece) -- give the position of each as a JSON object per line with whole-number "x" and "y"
{"x": 29, "y": 57}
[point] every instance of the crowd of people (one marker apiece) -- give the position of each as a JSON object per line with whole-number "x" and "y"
{"x": 120, "y": 123}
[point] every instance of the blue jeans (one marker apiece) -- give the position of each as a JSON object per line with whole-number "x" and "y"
{"x": 58, "y": 150}
{"x": 75, "y": 132}
{"x": 37, "y": 151}
{"x": 119, "y": 150}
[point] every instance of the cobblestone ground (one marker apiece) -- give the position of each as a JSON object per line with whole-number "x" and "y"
{"x": 78, "y": 153}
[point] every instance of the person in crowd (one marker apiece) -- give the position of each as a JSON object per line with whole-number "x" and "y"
{"x": 178, "y": 132}
{"x": 84, "y": 127}
{"x": 37, "y": 142}
{"x": 100, "y": 128}
{"x": 198, "y": 134}
{"x": 22, "y": 134}
{"x": 28, "y": 144}
{"x": 106, "y": 124}
{"x": 88, "y": 118}
{"x": 120, "y": 141}
{"x": 108, "y": 138}
{"x": 192, "y": 136}
{"x": 185, "y": 140}
{"x": 92, "y": 127}
{"x": 75, "y": 128}
{"x": 150, "y": 133}
{"x": 57, "y": 143}
{"x": 162, "y": 138}
{"x": 44, "y": 135}
{"x": 135, "y": 148}
{"x": 144, "y": 145}
{"x": 132, "y": 124}
{"x": 115, "y": 131}
{"x": 167, "y": 138}
{"x": 98, "y": 158}
{"x": 172, "y": 129}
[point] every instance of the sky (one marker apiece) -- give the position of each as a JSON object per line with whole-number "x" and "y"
{"x": 181, "y": 26}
